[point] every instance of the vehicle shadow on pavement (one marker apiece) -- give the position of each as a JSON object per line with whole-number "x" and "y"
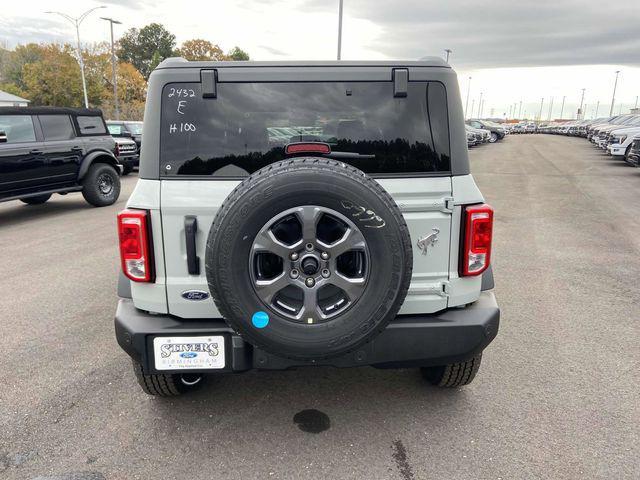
{"x": 356, "y": 398}
{"x": 19, "y": 213}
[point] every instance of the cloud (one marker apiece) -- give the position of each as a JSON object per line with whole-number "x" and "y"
{"x": 501, "y": 33}
{"x": 21, "y": 30}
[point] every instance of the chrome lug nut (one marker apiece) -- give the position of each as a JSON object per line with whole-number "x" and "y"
{"x": 324, "y": 255}
{"x": 293, "y": 256}
{"x": 326, "y": 273}
{"x": 294, "y": 273}
{"x": 309, "y": 282}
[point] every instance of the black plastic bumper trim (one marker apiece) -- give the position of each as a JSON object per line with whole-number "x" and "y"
{"x": 449, "y": 336}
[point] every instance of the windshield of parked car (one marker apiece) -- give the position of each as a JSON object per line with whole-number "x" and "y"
{"x": 248, "y": 125}
{"x": 134, "y": 127}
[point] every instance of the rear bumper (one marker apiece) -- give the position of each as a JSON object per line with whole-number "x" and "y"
{"x": 450, "y": 336}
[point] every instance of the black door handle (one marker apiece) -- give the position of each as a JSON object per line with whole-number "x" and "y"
{"x": 190, "y": 230}
{"x": 35, "y": 152}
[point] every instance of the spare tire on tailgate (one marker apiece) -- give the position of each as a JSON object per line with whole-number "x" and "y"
{"x": 309, "y": 258}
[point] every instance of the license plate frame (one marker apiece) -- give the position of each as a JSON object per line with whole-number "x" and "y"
{"x": 189, "y": 353}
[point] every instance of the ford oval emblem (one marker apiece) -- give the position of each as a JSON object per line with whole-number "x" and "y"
{"x": 195, "y": 295}
{"x": 188, "y": 354}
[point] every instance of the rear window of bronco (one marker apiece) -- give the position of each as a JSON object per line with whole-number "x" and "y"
{"x": 247, "y": 126}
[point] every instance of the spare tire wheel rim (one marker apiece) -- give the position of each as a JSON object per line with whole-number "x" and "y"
{"x": 309, "y": 264}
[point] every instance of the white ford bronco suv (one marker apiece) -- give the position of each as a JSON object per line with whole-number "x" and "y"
{"x": 304, "y": 213}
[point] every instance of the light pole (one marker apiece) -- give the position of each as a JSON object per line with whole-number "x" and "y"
{"x": 636, "y": 105}
{"x": 113, "y": 66}
{"x": 473, "y": 102}
{"x": 541, "y": 104}
{"x": 597, "y": 108}
{"x": 340, "y": 30}
{"x": 479, "y": 104}
{"x": 466, "y": 104}
{"x": 550, "y": 108}
{"x": 76, "y": 23}
{"x": 613, "y": 97}
{"x": 562, "y": 108}
{"x": 448, "y": 51}
{"x": 520, "y": 110}
{"x": 581, "y": 101}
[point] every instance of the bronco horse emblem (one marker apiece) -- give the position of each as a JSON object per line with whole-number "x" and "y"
{"x": 428, "y": 240}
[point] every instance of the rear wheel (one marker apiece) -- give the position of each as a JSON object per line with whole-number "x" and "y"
{"x": 452, "y": 375}
{"x": 166, "y": 384}
{"x": 493, "y": 138}
{"x": 101, "y": 185}
{"x": 37, "y": 200}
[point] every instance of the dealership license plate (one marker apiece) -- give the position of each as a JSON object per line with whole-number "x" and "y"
{"x": 188, "y": 353}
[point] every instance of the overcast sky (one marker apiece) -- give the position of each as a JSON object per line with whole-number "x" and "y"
{"x": 513, "y": 50}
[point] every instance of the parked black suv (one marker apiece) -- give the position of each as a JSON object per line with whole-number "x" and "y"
{"x": 47, "y": 150}
{"x": 497, "y": 131}
{"x": 128, "y": 129}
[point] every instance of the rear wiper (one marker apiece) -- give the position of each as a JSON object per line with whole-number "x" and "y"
{"x": 347, "y": 155}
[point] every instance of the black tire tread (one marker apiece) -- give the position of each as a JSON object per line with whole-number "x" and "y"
{"x": 90, "y": 190}
{"x": 161, "y": 385}
{"x": 454, "y": 374}
{"x": 334, "y": 167}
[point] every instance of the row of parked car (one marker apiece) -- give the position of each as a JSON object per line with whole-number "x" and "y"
{"x": 619, "y": 136}
{"x": 484, "y": 131}
{"x": 47, "y": 150}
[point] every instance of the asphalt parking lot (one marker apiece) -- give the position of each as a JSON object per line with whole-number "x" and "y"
{"x": 556, "y": 397}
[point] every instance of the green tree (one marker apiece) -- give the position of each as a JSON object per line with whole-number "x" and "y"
{"x": 16, "y": 60}
{"x": 54, "y": 79}
{"x": 238, "y": 54}
{"x": 147, "y": 47}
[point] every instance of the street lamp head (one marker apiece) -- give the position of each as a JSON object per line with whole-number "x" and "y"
{"x": 116, "y": 22}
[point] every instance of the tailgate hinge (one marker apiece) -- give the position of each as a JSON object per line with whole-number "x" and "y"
{"x": 448, "y": 205}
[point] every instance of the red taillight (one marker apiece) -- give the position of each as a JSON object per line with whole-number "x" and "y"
{"x": 307, "y": 147}
{"x": 135, "y": 249}
{"x": 478, "y": 232}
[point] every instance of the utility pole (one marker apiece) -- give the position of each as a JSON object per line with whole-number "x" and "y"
{"x": 466, "y": 104}
{"x": 562, "y": 108}
{"x": 479, "y": 104}
{"x": 76, "y": 23}
{"x": 473, "y": 101}
{"x": 113, "y": 66}
{"x": 340, "y": 31}
{"x": 636, "y": 105}
{"x": 613, "y": 97}
{"x": 597, "y": 108}
{"x": 550, "y": 108}
{"x": 447, "y": 51}
{"x": 581, "y": 101}
{"x": 541, "y": 104}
